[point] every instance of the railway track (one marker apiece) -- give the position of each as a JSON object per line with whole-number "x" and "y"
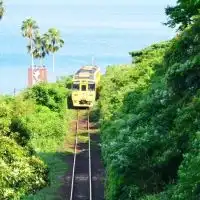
{"x": 81, "y": 183}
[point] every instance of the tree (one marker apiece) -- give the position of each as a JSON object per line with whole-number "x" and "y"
{"x": 2, "y": 10}
{"x": 53, "y": 42}
{"x": 183, "y": 13}
{"x": 39, "y": 47}
{"x": 29, "y": 30}
{"x": 65, "y": 81}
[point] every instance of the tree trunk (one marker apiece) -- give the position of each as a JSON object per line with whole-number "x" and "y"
{"x": 53, "y": 62}
{"x": 41, "y": 62}
{"x": 32, "y": 59}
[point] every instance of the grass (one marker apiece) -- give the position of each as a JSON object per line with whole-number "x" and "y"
{"x": 53, "y": 156}
{"x": 57, "y": 169}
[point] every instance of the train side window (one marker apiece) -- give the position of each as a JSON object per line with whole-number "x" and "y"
{"x": 83, "y": 87}
{"x": 75, "y": 87}
{"x": 91, "y": 87}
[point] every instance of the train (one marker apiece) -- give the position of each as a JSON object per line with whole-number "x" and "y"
{"x": 84, "y": 86}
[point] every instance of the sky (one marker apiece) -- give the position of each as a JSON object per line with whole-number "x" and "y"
{"x": 105, "y": 30}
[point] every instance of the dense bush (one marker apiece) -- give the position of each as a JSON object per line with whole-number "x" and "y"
{"x": 52, "y": 96}
{"x": 150, "y": 122}
{"x": 65, "y": 81}
{"x": 46, "y": 127}
{"x": 32, "y": 123}
{"x": 20, "y": 170}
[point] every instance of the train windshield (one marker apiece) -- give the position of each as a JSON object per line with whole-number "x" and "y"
{"x": 75, "y": 86}
{"x": 91, "y": 87}
{"x": 83, "y": 87}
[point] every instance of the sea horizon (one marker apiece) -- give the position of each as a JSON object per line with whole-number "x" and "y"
{"x": 104, "y": 31}
{"x": 14, "y": 77}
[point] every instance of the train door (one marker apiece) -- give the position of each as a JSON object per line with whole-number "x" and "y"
{"x": 83, "y": 87}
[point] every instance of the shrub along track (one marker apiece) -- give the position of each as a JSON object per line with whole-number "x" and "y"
{"x": 80, "y": 186}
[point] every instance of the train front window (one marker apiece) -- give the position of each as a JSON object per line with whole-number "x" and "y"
{"x": 91, "y": 87}
{"x": 83, "y": 87}
{"x": 75, "y": 86}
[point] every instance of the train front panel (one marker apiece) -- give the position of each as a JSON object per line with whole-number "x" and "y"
{"x": 83, "y": 93}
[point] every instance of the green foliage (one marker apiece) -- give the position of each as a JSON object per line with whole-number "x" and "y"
{"x": 2, "y": 9}
{"x": 150, "y": 122}
{"x": 38, "y": 47}
{"x": 20, "y": 170}
{"x": 132, "y": 78}
{"x": 54, "y": 160}
{"x": 5, "y": 119}
{"x": 19, "y": 173}
{"x": 183, "y": 13}
{"x": 65, "y": 81}
{"x": 184, "y": 60}
{"x": 31, "y": 126}
{"x": 47, "y": 129}
{"x": 53, "y": 40}
{"x": 50, "y": 95}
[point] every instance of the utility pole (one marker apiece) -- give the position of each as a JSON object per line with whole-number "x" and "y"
{"x": 14, "y": 92}
{"x": 93, "y": 60}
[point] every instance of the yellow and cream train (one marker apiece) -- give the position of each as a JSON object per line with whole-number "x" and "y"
{"x": 84, "y": 87}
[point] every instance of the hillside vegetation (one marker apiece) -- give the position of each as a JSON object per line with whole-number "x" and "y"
{"x": 150, "y": 118}
{"x": 32, "y": 126}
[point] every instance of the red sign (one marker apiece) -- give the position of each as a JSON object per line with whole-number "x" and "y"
{"x": 36, "y": 75}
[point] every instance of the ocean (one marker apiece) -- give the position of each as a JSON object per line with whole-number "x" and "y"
{"x": 106, "y": 32}
{"x": 14, "y": 68}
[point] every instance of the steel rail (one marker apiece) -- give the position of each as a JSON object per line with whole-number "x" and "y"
{"x": 89, "y": 156}
{"x": 75, "y": 152}
{"x": 89, "y": 150}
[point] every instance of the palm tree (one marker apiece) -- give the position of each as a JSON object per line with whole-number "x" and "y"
{"x": 2, "y": 10}
{"x": 39, "y": 47}
{"x": 53, "y": 42}
{"x": 29, "y": 30}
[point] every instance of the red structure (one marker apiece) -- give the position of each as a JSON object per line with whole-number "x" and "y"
{"x": 36, "y": 75}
